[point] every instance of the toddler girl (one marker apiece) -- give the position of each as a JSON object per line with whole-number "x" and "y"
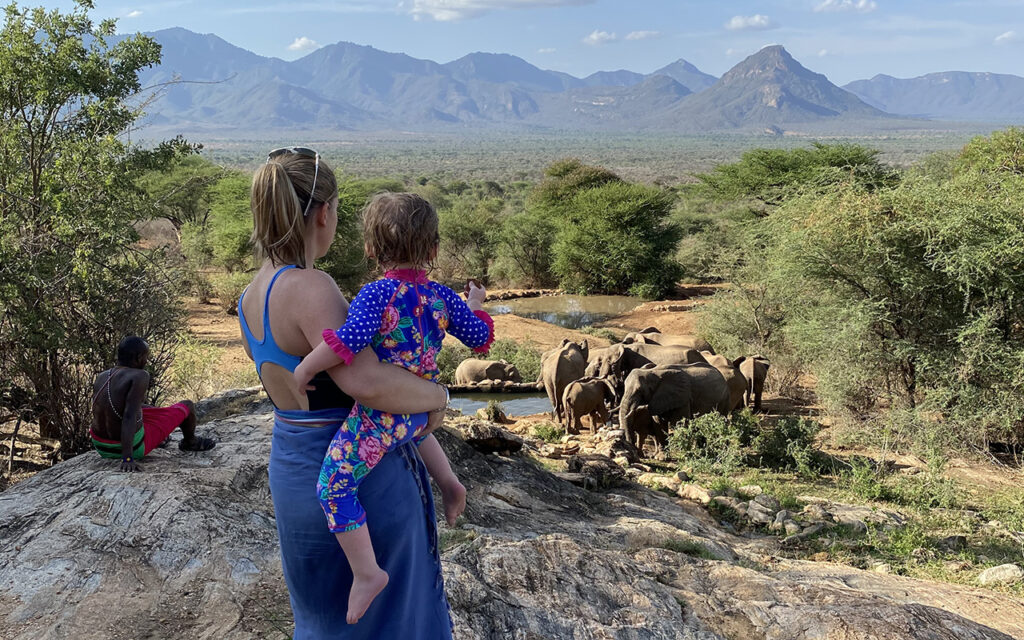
{"x": 403, "y": 317}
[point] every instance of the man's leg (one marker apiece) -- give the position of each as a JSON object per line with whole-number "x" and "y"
{"x": 190, "y": 441}
{"x": 188, "y": 425}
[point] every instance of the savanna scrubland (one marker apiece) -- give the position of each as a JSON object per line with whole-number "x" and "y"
{"x": 888, "y": 296}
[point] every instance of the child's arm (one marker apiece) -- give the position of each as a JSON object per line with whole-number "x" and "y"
{"x": 452, "y": 491}
{"x": 321, "y": 358}
{"x": 361, "y": 323}
{"x": 467, "y": 320}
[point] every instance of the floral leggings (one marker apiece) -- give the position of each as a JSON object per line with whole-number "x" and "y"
{"x": 358, "y": 445}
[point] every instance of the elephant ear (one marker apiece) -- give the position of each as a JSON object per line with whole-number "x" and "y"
{"x": 650, "y": 330}
{"x": 629, "y": 339}
{"x": 609, "y": 390}
{"x": 585, "y": 348}
{"x": 738, "y": 361}
{"x": 565, "y": 341}
{"x": 649, "y": 365}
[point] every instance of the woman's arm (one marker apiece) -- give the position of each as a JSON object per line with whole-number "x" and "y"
{"x": 387, "y": 387}
{"x": 372, "y": 383}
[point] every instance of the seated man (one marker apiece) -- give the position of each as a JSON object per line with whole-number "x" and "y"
{"x": 121, "y": 426}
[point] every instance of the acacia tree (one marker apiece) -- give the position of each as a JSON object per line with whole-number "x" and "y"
{"x": 73, "y": 277}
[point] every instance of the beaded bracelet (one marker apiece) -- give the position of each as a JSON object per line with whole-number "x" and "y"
{"x": 447, "y": 399}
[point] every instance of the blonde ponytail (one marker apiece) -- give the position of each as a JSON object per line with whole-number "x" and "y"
{"x": 280, "y": 191}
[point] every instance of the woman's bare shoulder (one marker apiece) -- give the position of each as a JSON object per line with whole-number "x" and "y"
{"x": 312, "y": 293}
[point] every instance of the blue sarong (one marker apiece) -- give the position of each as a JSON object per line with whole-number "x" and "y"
{"x": 400, "y": 516}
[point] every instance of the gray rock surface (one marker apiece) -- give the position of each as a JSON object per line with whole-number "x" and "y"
{"x": 1003, "y": 574}
{"x": 188, "y": 549}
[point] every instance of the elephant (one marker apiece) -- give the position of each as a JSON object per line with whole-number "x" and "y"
{"x": 658, "y": 395}
{"x": 755, "y": 370}
{"x": 473, "y": 370}
{"x": 733, "y": 378}
{"x": 667, "y": 340}
{"x": 559, "y": 367}
{"x": 586, "y": 397}
{"x": 618, "y": 360}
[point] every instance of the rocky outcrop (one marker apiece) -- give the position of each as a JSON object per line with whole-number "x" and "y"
{"x": 187, "y": 549}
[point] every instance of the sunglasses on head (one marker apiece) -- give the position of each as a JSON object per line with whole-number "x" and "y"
{"x": 300, "y": 151}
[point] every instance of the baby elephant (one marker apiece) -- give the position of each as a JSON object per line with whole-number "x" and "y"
{"x": 754, "y": 370}
{"x": 586, "y": 397}
{"x": 473, "y": 370}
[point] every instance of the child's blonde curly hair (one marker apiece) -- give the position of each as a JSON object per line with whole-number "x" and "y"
{"x": 400, "y": 228}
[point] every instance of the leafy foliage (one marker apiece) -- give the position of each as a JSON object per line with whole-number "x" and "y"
{"x": 897, "y": 294}
{"x": 616, "y": 238}
{"x": 74, "y": 279}
{"x": 771, "y": 176}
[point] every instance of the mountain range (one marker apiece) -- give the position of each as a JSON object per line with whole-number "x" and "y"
{"x": 206, "y": 83}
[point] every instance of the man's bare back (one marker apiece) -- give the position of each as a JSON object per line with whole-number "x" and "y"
{"x": 110, "y": 392}
{"x": 121, "y": 426}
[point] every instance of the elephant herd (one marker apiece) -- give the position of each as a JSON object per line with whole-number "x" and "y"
{"x": 654, "y": 379}
{"x": 651, "y": 380}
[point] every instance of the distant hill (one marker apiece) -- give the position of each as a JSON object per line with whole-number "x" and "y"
{"x": 950, "y": 95}
{"x": 687, "y": 75}
{"x": 769, "y": 88}
{"x": 620, "y": 78}
{"x": 611, "y": 107}
{"x": 350, "y": 86}
{"x": 502, "y": 68}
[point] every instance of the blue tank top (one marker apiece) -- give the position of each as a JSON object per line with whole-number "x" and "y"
{"x": 266, "y": 350}
{"x": 326, "y": 394}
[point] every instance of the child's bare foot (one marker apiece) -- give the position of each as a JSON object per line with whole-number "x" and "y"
{"x": 453, "y": 494}
{"x": 364, "y": 590}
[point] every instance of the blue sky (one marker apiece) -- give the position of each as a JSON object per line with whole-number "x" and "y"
{"x": 844, "y": 39}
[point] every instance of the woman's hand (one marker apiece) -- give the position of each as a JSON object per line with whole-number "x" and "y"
{"x": 434, "y": 420}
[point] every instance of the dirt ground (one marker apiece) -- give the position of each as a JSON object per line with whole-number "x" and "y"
{"x": 210, "y": 323}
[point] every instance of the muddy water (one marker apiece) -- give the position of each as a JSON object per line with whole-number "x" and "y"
{"x": 571, "y": 312}
{"x": 515, "y": 404}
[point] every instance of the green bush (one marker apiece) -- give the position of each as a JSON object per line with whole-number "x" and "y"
{"x": 74, "y": 279}
{"x": 192, "y": 373}
{"x": 548, "y": 432}
{"x": 230, "y": 224}
{"x": 228, "y": 288}
{"x": 788, "y": 443}
{"x": 866, "y": 480}
{"x": 897, "y": 293}
{"x": 523, "y": 249}
{"x": 709, "y": 442}
{"x": 469, "y": 232}
{"x": 617, "y": 237}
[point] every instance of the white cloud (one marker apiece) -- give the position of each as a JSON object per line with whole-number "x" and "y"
{"x": 756, "y": 22}
{"x": 823, "y": 53}
{"x": 445, "y": 10}
{"x": 133, "y": 14}
{"x": 546, "y": 50}
{"x": 863, "y": 6}
{"x": 303, "y": 44}
{"x": 732, "y": 52}
{"x": 600, "y": 37}
{"x": 1007, "y": 38}
{"x": 642, "y": 35}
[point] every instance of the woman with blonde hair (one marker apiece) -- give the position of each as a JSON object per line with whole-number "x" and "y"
{"x": 282, "y": 315}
